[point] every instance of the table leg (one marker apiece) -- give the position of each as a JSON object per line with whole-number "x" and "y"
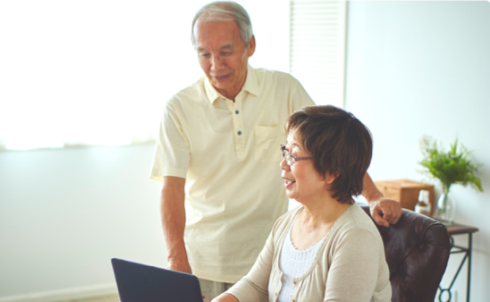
{"x": 468, "y": 279}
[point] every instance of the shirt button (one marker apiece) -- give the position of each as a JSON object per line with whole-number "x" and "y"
{"x": 236, "y": 111}
{"x": 239, "y": 132}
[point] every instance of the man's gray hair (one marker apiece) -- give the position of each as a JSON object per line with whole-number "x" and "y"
{"x": 224, "y": 11}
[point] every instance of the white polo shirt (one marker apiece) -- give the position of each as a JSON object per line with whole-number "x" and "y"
{"x": 229, "y": 154}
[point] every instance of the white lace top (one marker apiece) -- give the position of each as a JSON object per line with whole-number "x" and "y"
{"x": 294, "y": 263}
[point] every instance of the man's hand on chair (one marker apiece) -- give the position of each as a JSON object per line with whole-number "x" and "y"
{"x": 385, "y": 211}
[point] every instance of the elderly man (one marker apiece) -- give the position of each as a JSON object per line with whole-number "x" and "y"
{"x": 218, "y": 155}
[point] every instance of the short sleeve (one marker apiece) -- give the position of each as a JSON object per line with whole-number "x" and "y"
{"x": 298, "y": 97}
{"x": 172, "y": 155}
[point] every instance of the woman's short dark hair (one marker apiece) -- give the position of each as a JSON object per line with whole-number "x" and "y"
{"x": 339, "y": 143}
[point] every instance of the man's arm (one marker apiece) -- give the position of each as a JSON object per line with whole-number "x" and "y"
{"x": 172, "y": 213}
{"x": 383, "y": 210}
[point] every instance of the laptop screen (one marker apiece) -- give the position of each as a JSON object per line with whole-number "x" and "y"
{"x": 142, "y": 283}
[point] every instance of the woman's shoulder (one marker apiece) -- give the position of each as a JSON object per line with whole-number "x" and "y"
{"x": 354, "y": 232}
{"x": 356, "y": 220}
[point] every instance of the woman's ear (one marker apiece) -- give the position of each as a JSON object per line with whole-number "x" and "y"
{"x": 330, "y": 178}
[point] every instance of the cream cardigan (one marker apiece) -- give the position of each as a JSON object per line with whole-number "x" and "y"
{"x": 349, "y": 266}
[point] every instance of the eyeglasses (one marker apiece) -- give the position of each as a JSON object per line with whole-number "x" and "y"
{"x": 291, "y": 159}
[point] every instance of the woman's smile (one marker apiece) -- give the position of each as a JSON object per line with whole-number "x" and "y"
{"x": 288, "y": 183}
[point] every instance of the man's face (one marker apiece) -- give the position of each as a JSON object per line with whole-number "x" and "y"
{"x": 222, "y": 55}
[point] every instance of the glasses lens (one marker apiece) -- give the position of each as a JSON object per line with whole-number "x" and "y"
{"x": 287, "y": 156}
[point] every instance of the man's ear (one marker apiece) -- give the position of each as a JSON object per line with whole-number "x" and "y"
{"x": 251, "y": 46}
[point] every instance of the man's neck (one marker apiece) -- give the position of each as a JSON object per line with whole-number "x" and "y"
{"x": 233, "y": 91}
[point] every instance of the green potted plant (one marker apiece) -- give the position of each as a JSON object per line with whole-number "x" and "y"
{"x": 452, "y": 167}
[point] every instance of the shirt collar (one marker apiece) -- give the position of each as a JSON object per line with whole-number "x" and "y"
{"x": 251, "y": 86}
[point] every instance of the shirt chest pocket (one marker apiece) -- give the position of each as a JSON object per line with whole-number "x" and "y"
{"x": 267, "y": 143}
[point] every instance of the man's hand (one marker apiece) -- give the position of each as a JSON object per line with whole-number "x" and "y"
{"x": 385, "y": 211}
{"x": 172, "y": 213}
{"x": 181, "y": 266}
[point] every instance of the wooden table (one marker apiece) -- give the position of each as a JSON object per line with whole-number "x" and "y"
{"x": 458, "y": 229}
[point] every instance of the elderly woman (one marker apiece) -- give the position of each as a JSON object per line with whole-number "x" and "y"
{"x": 328, "y": 249}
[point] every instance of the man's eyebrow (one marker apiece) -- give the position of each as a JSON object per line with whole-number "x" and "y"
{"x": 227, "y": 46}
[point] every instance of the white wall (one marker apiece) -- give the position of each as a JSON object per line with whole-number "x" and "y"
{"x": 65, "y": 213}
{"x": 423, "y": 68}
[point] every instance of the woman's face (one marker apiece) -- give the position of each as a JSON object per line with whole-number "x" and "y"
{"x": 302, "y": 181}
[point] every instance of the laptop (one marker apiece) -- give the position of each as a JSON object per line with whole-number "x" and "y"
{"x": 142, "y": 283}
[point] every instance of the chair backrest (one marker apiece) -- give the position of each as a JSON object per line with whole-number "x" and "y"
{"x": 417, "y": 250}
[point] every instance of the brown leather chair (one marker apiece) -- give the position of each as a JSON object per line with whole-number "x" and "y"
{"x": 417, "y": 250}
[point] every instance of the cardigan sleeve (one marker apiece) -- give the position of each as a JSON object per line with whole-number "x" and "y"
{"x": 354, "y": 267}
{"x": 254, "y": 286}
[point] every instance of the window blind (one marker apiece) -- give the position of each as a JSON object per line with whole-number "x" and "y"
{"x": 317, "y": 48}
